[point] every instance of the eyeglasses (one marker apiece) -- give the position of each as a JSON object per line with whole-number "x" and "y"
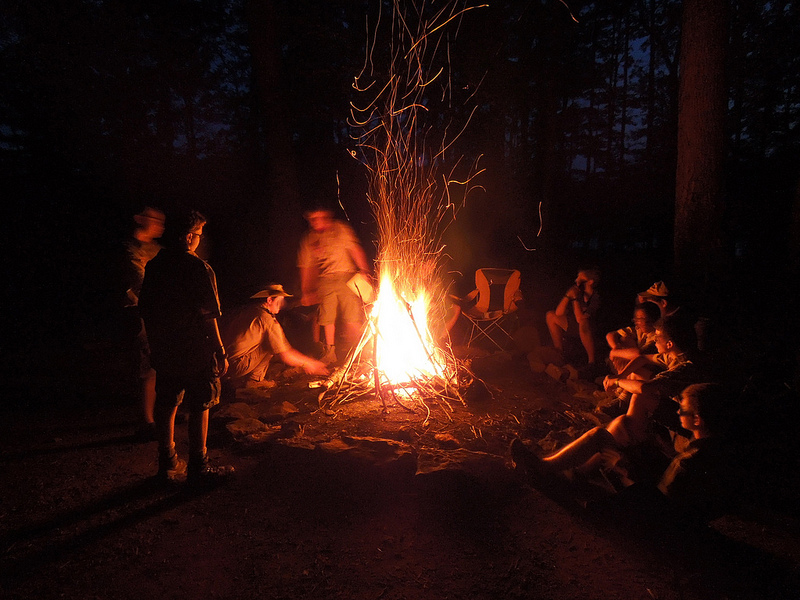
{"x": 685, "y": 413}
{"x": 199, "y": 235}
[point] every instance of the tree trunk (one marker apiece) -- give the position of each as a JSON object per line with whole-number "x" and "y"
{"x": 699, "y": 255}
{"x": 275, "y": 222}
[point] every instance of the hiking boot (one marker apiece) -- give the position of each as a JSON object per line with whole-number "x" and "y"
{"x": 170, "y": 467}
{"x": 328, "y": 356}
{"x": 526, "y": 461}
{"x": 201, "y": 474}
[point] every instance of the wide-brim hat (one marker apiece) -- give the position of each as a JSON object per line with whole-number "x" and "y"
{"x": 271, "y": 290}
{"x": 658, "y": 291}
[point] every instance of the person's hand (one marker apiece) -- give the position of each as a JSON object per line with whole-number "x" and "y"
{"x": 315, "y": 367}
{"x": 309, "y": 299}
{"x": 220, "y": 362}
{"x": 573, "y": 293}
{"x": 609, "y": 382}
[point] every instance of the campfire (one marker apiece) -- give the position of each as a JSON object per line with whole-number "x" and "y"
{"x": 404, "y": 353}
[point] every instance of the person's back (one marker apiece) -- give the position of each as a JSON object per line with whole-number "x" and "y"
{"x": 178, "y": 295}
{"x": 180, "y": 307}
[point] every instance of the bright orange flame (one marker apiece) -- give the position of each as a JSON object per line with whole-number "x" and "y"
{"x": 405, "y": 347}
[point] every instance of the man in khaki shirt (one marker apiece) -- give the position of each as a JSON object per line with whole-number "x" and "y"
{"x": 252, "y": 336}
{"x": 330, "y": 255}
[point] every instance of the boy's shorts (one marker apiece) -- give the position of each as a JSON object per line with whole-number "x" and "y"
{"x": 199, "y": 393}
{"x": 334, "y": 294}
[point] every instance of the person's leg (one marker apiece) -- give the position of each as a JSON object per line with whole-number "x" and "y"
{"x": 148, "y": 390}
{"x": 327, "y": 317}
{"x": 250, "y": 367}
{"x": 201, "y": 395}
{"x": 330, "y": 334}
{"x": 168, "y": 397}
{"x": 351, "y": 309}
{"x": 631, "y": 428}
{"x": 198, "y": 433}
{"x": 581, "y": 450}
{"x": 586, "y": 332}
{"x": 556, "y": 325}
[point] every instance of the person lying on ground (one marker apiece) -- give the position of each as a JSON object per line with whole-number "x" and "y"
{"x": 253, "y": 336}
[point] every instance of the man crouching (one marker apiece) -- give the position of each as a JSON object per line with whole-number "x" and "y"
{"x": 253, "y": 336}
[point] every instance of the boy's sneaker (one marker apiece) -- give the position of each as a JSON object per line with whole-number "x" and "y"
{"x": 170, "y": 468}
{"x": 201, "y": 474}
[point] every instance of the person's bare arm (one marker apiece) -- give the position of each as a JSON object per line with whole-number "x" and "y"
{"x": 308, "y": 277}
{"x": 570, "y": 296}
{"x": 220, "y": 356}
{"x": 642, "y": 360}
{"x": 359, "y": 257}
{"x": 293, "y": 358}
{"x": 625, "y": 353}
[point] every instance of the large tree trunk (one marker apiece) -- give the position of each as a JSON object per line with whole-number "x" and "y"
{"x": 699, "y": 249}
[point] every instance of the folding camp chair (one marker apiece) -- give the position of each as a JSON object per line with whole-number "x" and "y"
{"x": 489, "y": 305}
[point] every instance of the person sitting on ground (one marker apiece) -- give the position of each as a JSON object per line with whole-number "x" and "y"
{"x": 672, "y": 336}
{"x": 699, "y": 481}
{"x": 253, "y": 336}
{"x": 329, "y": 256}
{"x": 631, "y": 342}
{"x": 575, "y": 313}
{"x": 180, "y": 307}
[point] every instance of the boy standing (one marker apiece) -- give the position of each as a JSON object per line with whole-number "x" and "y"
{"x": 180, "y": 307}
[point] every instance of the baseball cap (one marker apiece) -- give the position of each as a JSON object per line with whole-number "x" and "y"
{"x": 658, "y": 290}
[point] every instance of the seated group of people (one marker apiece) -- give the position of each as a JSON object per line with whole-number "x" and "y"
{"x": 668, "y": 400}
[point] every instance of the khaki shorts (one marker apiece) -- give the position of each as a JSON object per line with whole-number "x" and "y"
{"x": 335, "y": 297}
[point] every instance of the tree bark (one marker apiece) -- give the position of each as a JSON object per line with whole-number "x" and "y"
{"x": 700, "y": 259}
{"x": 276, "y": 222}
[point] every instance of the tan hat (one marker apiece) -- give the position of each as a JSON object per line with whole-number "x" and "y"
{"x": 658, "y": 291}
{"x": 274, "y": 289}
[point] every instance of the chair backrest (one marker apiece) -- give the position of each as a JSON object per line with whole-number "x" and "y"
{"x": 498, "y": 289}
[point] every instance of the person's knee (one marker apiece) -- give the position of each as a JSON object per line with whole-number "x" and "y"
{"x": 586, "y": 327}
{"x": 611, "y": 339}
{"x": 601, "y": 437}
{"x": 554, "y": 320}
{"x": 626, "y": 430}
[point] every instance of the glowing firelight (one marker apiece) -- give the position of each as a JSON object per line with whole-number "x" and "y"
{"x": 405, "y": 349}
{"x": 415, "y": 190}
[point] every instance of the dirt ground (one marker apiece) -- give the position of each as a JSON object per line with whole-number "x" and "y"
{"x": 81, "y": 518}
